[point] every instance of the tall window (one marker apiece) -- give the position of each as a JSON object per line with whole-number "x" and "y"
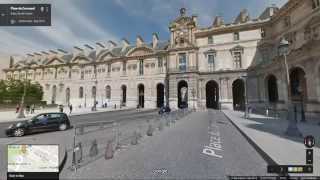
{"x": 182, "y": 62}
{"x": 81, "y": 92}
{"x": 109, "y": 68}
{"x": 236, "y": 36}
{"x": 160, "y": 64}
{"x": 82, "y": 74}
{"x": 108, "y": 92}
{"x": 210, "y": 40}
{"x": 94, "y": 92}
{"x": 211, "y": 62}
{"x": 141, "y": 67}
{"x": 124, "y": 66}
{"x": 237, "y": 60}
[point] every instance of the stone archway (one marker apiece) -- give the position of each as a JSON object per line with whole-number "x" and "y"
{"x": 182, "y": 94}
{"x": 272, "y": 88}
{"x": 212, "y": 95}
{"x": 141, "y": 95}
{"x": 160, "y": 95}
{"x": 238, "y": 93}
{"x": 54, "y": 94}
{"x": 298, "y": 84}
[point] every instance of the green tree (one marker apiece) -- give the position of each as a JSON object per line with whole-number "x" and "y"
{"x": 11, "y": 92}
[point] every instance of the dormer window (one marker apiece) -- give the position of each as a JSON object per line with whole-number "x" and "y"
{"x": 181, "y": 41}
{"x": 236, "y": 36}
{"x": 210, "y": 40}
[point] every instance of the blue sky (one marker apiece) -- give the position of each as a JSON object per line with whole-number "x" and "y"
{"x": 77, "y": 22}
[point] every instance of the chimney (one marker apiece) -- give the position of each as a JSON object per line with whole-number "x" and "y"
{"x": 11, "y": 62}
{"x": 53, "y": 51}
{"x": 112, "y": 44}
{"x": 155, "y": 40}
{"x": 88, "y": 49}
{"x": 99, "y": 46}
{"x": 77, "y": 50}
{"x": 63, "y": 51}
{"x": 243, "y": 17}
{"x": 37, "y": 56}
{"x": 139, "y": 41}
{"x": 195, "y": 19}
{"x": 218, "y": 21}
{"x": 44, "y": 52}
{"x": 125, "y": 43}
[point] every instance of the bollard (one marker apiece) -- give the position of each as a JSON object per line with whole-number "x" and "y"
{"x": 116, "y": 137}
{"x": 140, "y": 131}
{"x": 109, "y": 150}
{"x": 80, "y": 151}
{"x": 94, "y": 148}
{"x": 150, "y": 130}
{"x": 173, "y": 120}
{"x": 134, "y": 140}
{"x": 160, "y": 125}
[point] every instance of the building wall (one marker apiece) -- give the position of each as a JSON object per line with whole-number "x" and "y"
{"x": 296, "y": 21}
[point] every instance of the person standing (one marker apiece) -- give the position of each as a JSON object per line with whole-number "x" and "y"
{"x": 17, "y": 108}
{"x": 70, "y": 108}
{"x": 32, "y": 108}
{"x": 28, "y": 109}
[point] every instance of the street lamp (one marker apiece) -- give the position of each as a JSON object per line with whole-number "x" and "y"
{"x": 193, "y": 92}
{"x": 292, "y": 129}
{"x": 94, "y": 108}
{"x": 303, "y": 116}
{"x": 246, "y": 96}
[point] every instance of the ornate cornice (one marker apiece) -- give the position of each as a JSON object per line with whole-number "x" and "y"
{"x": 230, "y": 28}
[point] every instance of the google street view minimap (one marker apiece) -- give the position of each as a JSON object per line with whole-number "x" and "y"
{"x": 33, "y": 158}
{"x": 159, "y": 89}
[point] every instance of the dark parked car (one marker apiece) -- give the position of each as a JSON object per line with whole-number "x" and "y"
{"x": 164, "y": 109}
{"x": 40, "y": 123}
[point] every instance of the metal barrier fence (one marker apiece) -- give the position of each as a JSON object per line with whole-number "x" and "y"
{"x": 96, "y": 140}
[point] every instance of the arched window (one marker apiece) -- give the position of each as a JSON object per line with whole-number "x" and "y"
{"x": 108, "y": 92}
{"x": 81, "y": 92}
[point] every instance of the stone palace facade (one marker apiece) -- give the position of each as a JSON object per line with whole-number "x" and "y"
{"x": 216, "y": 66}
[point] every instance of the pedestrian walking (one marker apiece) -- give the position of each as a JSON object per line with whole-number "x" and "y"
{"x": 61, "y": 108}
{"x": 32, "y": 108}
{"x": 17, "y": 108}
{"x": 70, "y": 108}
{"x": 28, "y": 109}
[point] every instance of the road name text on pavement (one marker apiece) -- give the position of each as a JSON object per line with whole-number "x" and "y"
{"x": 215, "y": 145}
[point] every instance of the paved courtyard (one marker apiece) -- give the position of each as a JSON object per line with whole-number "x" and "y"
{"x": 200, "y": 145}
{"x": 197, "y": 145}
